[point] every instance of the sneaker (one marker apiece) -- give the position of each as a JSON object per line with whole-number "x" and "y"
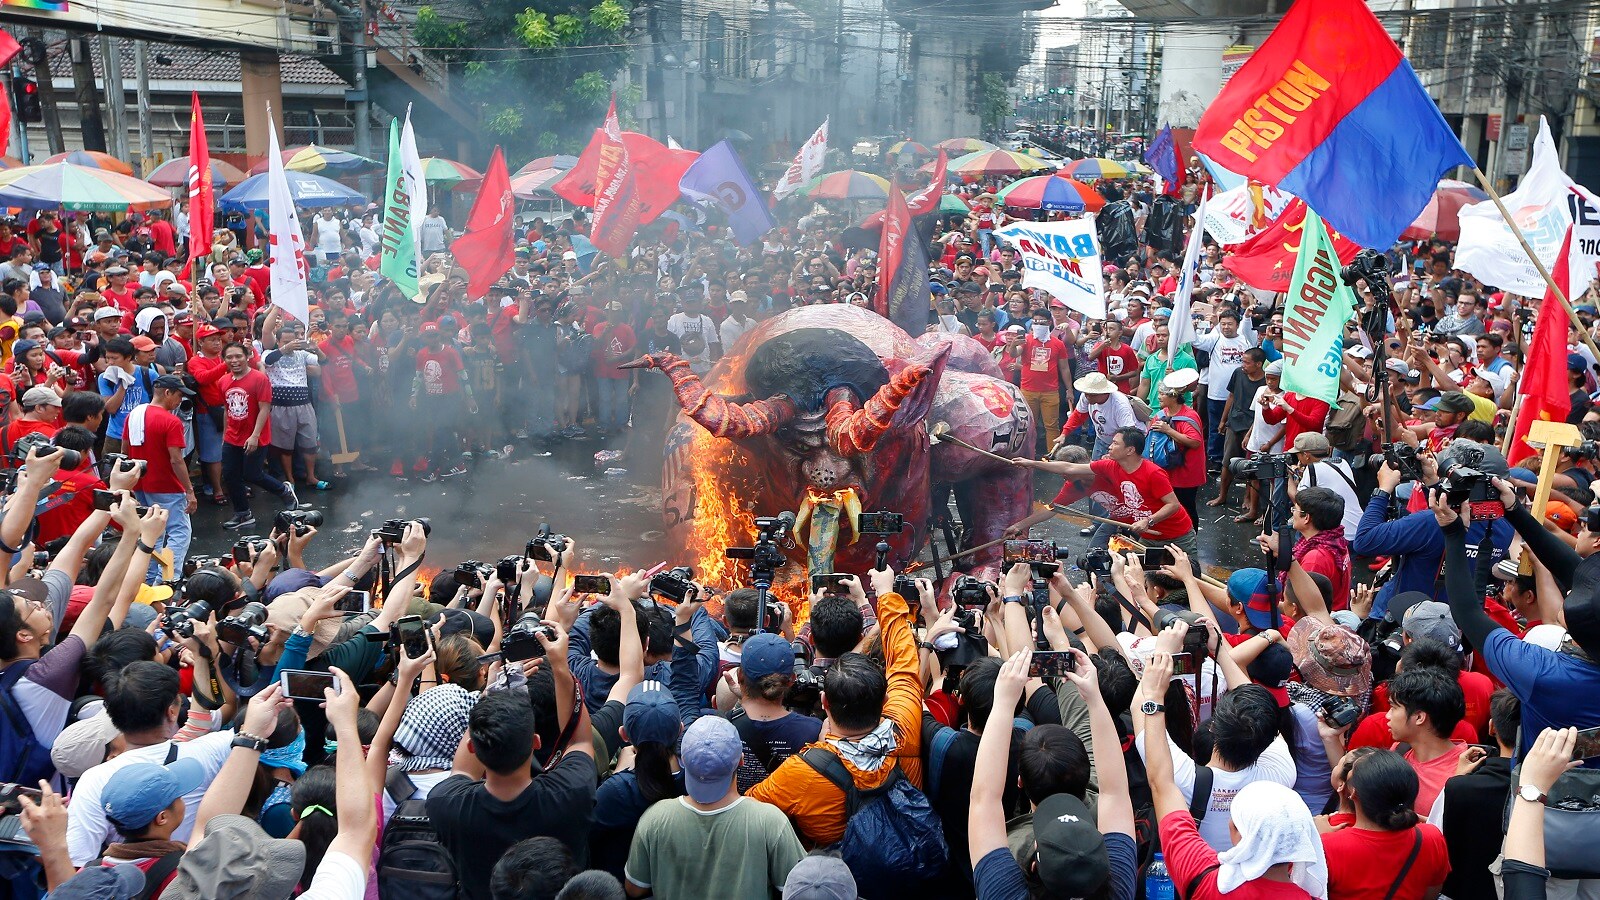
{"x": 429, "y": 477}
{"x": 466, "y": 454}
{"x": 453, "y": 471}
{"x": 421, "y": 465}
{"x": 398, "y": 470}
{"x": 1086, "y": 531}
{"x": 290, "y": 497}
{"x": 241, "y": 520}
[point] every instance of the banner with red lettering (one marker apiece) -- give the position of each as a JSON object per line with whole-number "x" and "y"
{"x": 1062, "y": 259}
{"x": 1318, "y": 305}
{"x": 616, "y": 203}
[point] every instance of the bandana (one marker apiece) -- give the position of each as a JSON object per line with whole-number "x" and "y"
{"x": 291, "y": 756}
{"x": 1332, "y": 541}
{"x": 431, "y": 727}
{"x": 869, "y": 753}
{"x": 1274, "y": 827}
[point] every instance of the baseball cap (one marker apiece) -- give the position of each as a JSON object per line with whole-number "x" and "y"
{"x": 572, "y": 255}
{"x": 107, "y": 312}
{"x": 1271, "y": 669}
{"x": 1401, "y": 603}
{"x": 36, "y": 397}
{"x": 1431, "y": 620}
{"x": 206, "y": 330}
{"x": 82, "y": 745}
{"x": 709, "y": 756}
{"x": 1071, "y": 854}
{"x": 738, "y": 297}
{"x": 253, "y": 255}
{"x": 1576, "y": 362}
{"x": 143, "y": 343}
{"x": 1360, "y": 352}
{"x": 1248, "y": 587}
{"x": 117, "y": 270}
{"x": 119, "y": 882}
{"x": 1016, "y": 329}
{"x": 173, "y": 383}
{"x": 766, "y": 654}
{"x": 820, "y": 877}
{"x": 651, "y": 715}
{"x": 937, "y": 289}
{"x": 141, "y": 791}
{"x": 1455, "y": 402}
{"x": 430, "y": 328}
{"x": 1312, "y": 442}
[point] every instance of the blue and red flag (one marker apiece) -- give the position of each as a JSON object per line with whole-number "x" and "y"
{"x": 1331, "y": 111}
{"x": 1162, "y": 156}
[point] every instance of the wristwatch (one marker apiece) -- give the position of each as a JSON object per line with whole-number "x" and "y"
{"x": 1532, "y": 794}
{"x": 1015, "y": 598}
{"x": 1150, "y": 707}
{"x": 249, "y": 742}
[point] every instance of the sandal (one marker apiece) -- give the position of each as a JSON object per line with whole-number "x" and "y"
{"x": 1243, "y": 518}
{"x": 322, "y": 486}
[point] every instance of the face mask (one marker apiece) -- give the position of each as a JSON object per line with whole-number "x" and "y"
{"x": 1042, "y": 332}
{"x": 948, "y": 322}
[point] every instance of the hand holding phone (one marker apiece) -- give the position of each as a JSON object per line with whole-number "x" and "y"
{"x": 1051, "y": 663}
{"x": 591, "y": 584}
{"x": 304, "y": 684}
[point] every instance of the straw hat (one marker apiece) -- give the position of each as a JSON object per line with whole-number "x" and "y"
{"x": 1095, "y": 383}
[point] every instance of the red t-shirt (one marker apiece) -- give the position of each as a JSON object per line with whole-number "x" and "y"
{"x": 164, "y": 237}
{"x": 1192, "y": 473}
{"x": 210, "y": 373}
{"x": 441, "y": 370}
{"x": 338, "y": 373}
{"x": 1188, "y": 855}
{"x": 990, "y": 342}
{"x": 1131, "y": 496}
{"x": 162, "y": 430}
{"x": 1475, "y": 686}
{"x": 1432, "y": 775}
{"x": 123, "y": 299}
{"x": 1363, "y": 864}
{"x": 241, "y": 403}
{"x": 1121, "y": 366}
{"x": 1041, "y": 364}
{"x": 613, "y": 341}
{"x": 1374, "y": 729}
{"x": 1308, "y": 414}
{"x": 78, "y": 487}
{"x": 16, "y": 431}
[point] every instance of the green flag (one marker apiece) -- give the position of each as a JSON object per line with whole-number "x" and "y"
{"x": 1318, "y": 307}
{"x": 396, "y": 236}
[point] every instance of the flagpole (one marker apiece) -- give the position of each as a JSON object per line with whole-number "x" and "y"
{"x": 1538, "y": 263}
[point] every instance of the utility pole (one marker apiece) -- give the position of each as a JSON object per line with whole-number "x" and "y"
{"x": 362, "y": 104}
{"x": 111, "y": 60}
{"x": 88, "y": 98}
{"x": 147, "y": 140}
{"x": 47, "y": 99}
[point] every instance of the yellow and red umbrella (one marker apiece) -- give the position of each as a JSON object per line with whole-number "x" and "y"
{"x": 974, "y": 166}
{"x": 1099, "y": 167}
{"x": 93, "y": 159}
{"x": 436, "y": 170}
{"x": 964, "y": 145}
{"x": 175, "y": 173}
{"x": 909, "y": 148}
{"x": 1051, "y": 193}
{"x": 847, "y": 184}
{"x": 313, "y": 158}
{"x": 65, "y": 185}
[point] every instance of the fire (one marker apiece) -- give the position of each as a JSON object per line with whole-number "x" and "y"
{"x": 719, "y": 517}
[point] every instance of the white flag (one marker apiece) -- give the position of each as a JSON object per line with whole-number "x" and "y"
{"x": 1542, "y": 207}
{"x": 288, "y": 265}
{"x": 672, "y": 143}
{"x": 1180, "y": 328}
{"x": 411, "y": 169}
{"x": 807, "y": 164}
{"x": 1063, "y": 260}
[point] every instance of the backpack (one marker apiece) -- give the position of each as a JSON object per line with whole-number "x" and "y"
{"x": 1346, "y": 426}
{"x": 26, "y": 761}
{"x": 576, "y": 355}
{"x": 1162, "y": 450}
{"x": 893, "y": 839}
{"x": 412, "y": 863}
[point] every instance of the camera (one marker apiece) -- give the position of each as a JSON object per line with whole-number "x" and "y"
{"x": 675, "y": 584}
{"x": 765, "y": 557}
{"x": 70, "y": 459}
{"x": 296, "y": 521}
{"x": 1585, "y": 450}
{"x": 880, "y": 523}
{"x": 248, "y": 547}
{"x": 178, "y": 621}
{"x": 969, "y": 591}
{"x": 508, "y": 568}
{"x": 906, "y": 586}
{"x": 1197, "y": 642}
{"x": 1369, "y": 265}
{"x": 1340, "y": 712}
{"x": 521, "y": 640}
{"x": 1591, "y": 519}
{"x": 249, "y": 622}
{"x": 1262, "y": 466}
{"x": 1465, "y": 484}
{"x": 194, "y": 564}
{"x": 121, "y": 462}
{"x": 805, "y": 694}
{"x": 546, "y": 546}
{"x": 473, "y": 573}
{"x": 1403, "y": 459}
{"x": 1096, "y": 562}
{"x": 1041, "y": 556}
{"x": 393, "y": 531}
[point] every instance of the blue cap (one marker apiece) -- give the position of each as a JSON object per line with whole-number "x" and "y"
{"x": 1587, "y": 308}
{"x": 1577, "y": 362}
{"x": 651, "y": 715}
{"x": 141, "y": 791}
{"x": 766, "y": 654}
{"x": 936, "y": 288}
{"x": 1431, "y": 405}
{"x": 710, "y": 754}
{"x": 121, "y": 882}
{"x": 1248, "y": 588}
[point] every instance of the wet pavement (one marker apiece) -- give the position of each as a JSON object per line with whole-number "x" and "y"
{"x": 615, "y": 518}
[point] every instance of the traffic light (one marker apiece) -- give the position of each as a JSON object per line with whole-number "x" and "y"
{"x": 1071, "y": 91}
{"x": 25, "y": 99}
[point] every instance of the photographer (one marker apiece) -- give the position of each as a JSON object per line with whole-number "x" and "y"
{"x": 1317, "y": 467}
{"x": 64, "y": 510}
{"x": 41, "y": 414}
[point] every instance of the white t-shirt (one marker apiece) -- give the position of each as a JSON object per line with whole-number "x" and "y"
{"x": 87, "y": 828}
{"x": 339, "y": 877}
{"x": 1107, "y": 417}
{"x": 732, "y": 329}
{"x": 698, "y": 334}
{"x": 1274, "y": 765}
{"x": 424, "y": 783}
{"x": 1335, "y": 475}
{"x": 1263, "y": 435}
{"x": 1226, "y": 355}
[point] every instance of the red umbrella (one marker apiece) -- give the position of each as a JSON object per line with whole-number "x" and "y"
{"x": 1441, "y": 217}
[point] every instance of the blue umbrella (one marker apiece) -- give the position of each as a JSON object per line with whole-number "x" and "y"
{"x": 308, "y": 190}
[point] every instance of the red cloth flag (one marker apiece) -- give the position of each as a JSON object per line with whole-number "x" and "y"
{"x": 1543, "y": 386}
{"x": 8, "y": 47}
{"x": 617, "y": 208}
{"x": 660, "y": 169}
{"x": 1265, "y": 260}
{"x": 488, "y": 247}
{"x": 202, "y": 200}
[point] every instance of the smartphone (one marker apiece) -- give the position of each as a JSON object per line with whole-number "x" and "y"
{"x": 880, "y": 523}
{"x": 1156, "y": 557}
{"x": 830, "y": 583}
{"x": 591, "y": 584}
{"x": 10, "y": 792}
{"x": 354, "y": 602}
{"x": 1588, "y": 744}
{"x": 304, "y": 684}
{"x": 416, "y": 644}
{"x": 1183, "y": 664}
{"x": 1012, "y": 552}
{"x": 104, "y": 500}
{"x": 1051, "y": 662}
{"x": 489, "y": 659}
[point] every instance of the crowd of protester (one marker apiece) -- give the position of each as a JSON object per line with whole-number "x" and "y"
{"x": 1388, "y": 707}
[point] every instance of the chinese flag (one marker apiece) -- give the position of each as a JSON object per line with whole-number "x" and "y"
{"x": 487, "y": 248}
{"x": 1543, "y": 386}
{"x": 1265, "y": 260}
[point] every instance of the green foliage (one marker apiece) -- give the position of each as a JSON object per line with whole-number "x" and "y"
{"x": 432, "y": 31}
{"x": 994, "y": 102}
{"x": 568, "y": 28}
{"x": 609, "y": 16}
{"x": 592, "y": 88}
{"x": 504, "y": 122}
{"x": 533, "y": 27}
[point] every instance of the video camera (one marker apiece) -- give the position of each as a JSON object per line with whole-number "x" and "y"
{"x": 248, "y": 622}
{"x": 546, "y": 546}
{"x": 675, "y": 584}
{"x": 393, "y": 531}
{"x": 178, "y": 621}
{"x": 1464, "y": 483}
{"x": 521, "y": 640}
{"x": 765, "y": 557}
{"x": 1262, "y": 466}
{"x": 1096, "y": 561}
{"x": 1369, "y": 266}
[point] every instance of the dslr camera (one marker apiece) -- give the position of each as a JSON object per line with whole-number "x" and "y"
{"x": 1403, "y": 459}
{"x": 521, "y": 640}
{"x": 473, "y": 573}
{"x": 971, "y": 597}
{"x": 121, "y": 462}
{"x": 1096, "y": 561}
{"x": 1197, "y": 642}
{"x": 1340, "y": 712}
{"x": 675, "y": 584}
{"x": 296, "y": 521}
{"x": 546, "y": 546}
{"x": 70, "y": 459}
{"x": 1262, "y": 466}
{"x": 248, "y": 622}
{"x": 178, "y": 621}
{"x": 805, "y": 694}
{"x": 1465, "y": 484}
{"x": 393, "y": 531}
{"x": 507, "y": 569}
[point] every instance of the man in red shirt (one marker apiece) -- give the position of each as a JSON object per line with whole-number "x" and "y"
{"x": 438, "y": 394}
{"x": 1132, "y": 490}
{"x": 154, "y": 436}
{"x": 119, "y": 291}
{"x": 1317, "y": 514}
{"x": 41, "y": 414}
{"x": 208, "y": 370}
{"x": 1046, "y": 370}
{"x": 614, "y": 343}
{"x": 63, "y": 511}
{"x": 247, "y": 404}
{"x": 1116, "y": 360}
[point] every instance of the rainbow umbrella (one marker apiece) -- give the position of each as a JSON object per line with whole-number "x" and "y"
{"x": 437, "y": 170}
{"x": 847, "y": 184}
{"x": 951, "y": 204}
{"x": 1051, "y": 194}
{"x": 1099, "y": 167}
{"x": 306, "y": 189}
{"x": 175, "y": 173}
{"x": 1441, "y": 217}
{"x": 70, "y": 186}
{"x": 908, "y": 148}
{"x": 964, "y": 145}
{"x": 974, "y": 166}
{"x": 92, "y": 159}
{"x": 315, "y": 158}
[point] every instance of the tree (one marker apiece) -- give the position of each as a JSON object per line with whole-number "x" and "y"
{"x": 994, "y": 103}
{"x": 539, "y": 71}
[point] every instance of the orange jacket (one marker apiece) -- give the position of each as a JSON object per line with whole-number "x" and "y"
{"x": 816, "y": 807}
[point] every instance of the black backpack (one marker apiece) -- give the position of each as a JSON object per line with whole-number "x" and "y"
{"x": 412, "y": 863}
{"x": 893, "y": 840}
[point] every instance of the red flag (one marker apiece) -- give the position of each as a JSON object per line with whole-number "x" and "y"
{"x": 617, "y": 208}
{"x": 660, "y": 169}
{"x": 1265, "y": 260}
{"x": 8, "y": 47}
{"x": 892, "y": 247}
{"x": 202, "y": 200}
{"x": 1543, "y": 385}
{"x": 488, "y": 247}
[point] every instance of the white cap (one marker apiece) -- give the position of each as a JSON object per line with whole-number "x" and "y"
{"x": 570, "y": 254}
{"x": 1275, "y": 367}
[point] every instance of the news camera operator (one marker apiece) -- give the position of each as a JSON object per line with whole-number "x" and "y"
{"x": 1316, "y": 466}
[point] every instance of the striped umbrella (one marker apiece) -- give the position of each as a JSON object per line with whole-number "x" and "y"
{"x": 538, "y": 175}
{"x": 1098, "y": 167}
{"x": 847, "y": 184}
{"x": 964, "y": 145}
{"x": 437, "y": 170}
{"x": 974, "y": 166}
{"x": 306, "y": 189}
{"x": 315, "y": 158}
{"x": 93, "y": 159}
{"x": 908, "y": 148}
{"x": 1051, "y": 194}
{"x": 175, "y": 173}
{"x": 951, "y": 204}
{"x": 70, "y": 186}
{"x": 1442, "y": 216}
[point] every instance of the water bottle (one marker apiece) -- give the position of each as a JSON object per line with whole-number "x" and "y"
{"x": 1157, "y": 883}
